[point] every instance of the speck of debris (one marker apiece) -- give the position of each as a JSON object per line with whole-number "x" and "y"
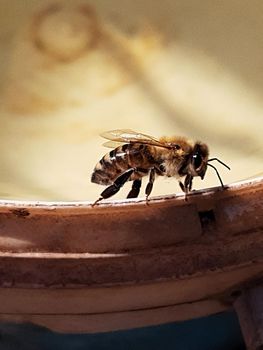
{"x": 21, "y": 212}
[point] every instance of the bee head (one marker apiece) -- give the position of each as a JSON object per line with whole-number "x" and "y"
{"x": 198, "y": 160}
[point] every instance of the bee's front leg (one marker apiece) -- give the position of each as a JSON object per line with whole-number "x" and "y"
{"x": 115, "y": 187}
{"x": 186, "y": 187}
{"x": 188, "y": 182}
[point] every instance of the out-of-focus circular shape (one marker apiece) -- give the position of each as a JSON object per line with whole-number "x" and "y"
{"x": 65, "y": 33}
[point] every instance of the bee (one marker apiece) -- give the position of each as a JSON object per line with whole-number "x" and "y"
{"x": 138, "y": 155}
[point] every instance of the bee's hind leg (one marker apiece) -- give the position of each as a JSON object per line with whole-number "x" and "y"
{"x": 115, "y": 187}
{"x": 136, "y": 186}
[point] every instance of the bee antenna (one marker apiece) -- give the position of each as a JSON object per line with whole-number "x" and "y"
{"x": 217, "y": 173}
{"x": 219, "y": 161}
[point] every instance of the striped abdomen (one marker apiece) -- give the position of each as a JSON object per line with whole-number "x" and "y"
{"x": 122, "y": 158}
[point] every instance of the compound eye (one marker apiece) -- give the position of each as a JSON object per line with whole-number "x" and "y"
{"x": 197, "y": 160}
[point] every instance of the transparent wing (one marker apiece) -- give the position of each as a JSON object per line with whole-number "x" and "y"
{"x": 129, "y": 136}
{"x": 112, "y": 144}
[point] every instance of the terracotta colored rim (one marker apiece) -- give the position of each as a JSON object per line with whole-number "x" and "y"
{"x": 125, "y": 264}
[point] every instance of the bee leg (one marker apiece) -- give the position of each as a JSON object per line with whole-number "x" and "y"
{"x": 187, "y": 186}
{"x": 115, "y": 187}
{"x": 188, "y": 182}
{"x": 134, "y": 192}
{"x": 182, "y": 186}
{"x": 149, "y": 186}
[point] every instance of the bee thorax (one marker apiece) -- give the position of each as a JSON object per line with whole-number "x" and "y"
{"x": 171, "y": 168}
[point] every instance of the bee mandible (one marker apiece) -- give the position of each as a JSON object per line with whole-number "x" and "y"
{"x": 138, "y": 155}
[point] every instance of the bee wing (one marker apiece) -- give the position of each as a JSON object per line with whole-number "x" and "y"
{"x": 129, "y": 136}
{"x": 112, "y": 144}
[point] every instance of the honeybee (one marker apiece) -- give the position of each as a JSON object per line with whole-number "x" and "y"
{"x": 138, "y": 155}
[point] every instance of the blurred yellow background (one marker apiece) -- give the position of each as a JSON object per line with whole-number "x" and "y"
{"x": 70, "y": 70}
